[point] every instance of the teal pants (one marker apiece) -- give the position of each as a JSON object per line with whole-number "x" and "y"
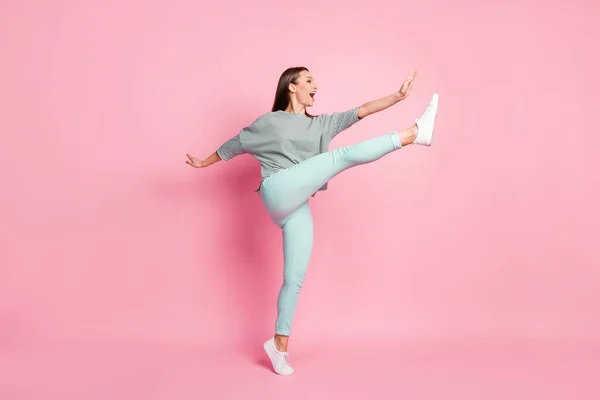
{"x": 285, "y": 195}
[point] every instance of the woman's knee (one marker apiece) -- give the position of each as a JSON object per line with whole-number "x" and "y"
{"x": 348, "y": 157}
{"x": 295, "y": 280}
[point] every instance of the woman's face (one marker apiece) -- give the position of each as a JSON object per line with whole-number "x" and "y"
{"x": 304, "y": 89}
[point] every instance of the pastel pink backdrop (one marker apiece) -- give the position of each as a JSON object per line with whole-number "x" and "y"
{"x": 490, "y": 235}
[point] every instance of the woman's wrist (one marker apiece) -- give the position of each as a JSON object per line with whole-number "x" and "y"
{"x": 398, "y": 97}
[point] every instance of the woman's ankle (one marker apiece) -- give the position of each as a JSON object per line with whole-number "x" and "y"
{"x": 407, "y": 136}
{"x": 281, "y": 342}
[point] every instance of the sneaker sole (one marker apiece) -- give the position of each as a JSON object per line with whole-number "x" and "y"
{"x": 435, "y": 102}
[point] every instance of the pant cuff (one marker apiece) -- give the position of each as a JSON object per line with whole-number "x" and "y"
{"x": 282, "y": 332}
{"x": 396, "y": 140}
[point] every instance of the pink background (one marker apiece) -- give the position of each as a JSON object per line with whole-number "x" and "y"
{"x": 117, "y": 258}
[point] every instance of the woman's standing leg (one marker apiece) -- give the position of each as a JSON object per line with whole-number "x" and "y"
{"x": 297, "y": 230}
{"x": 297, "y": 249}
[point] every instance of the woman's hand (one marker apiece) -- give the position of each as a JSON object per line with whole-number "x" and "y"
{"x": 198, "y": 163}
{"x": 194, "y": 162}
{"x": 407, "y": 85}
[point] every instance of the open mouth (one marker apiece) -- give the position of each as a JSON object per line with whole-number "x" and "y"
{"x": 312, "y": 95}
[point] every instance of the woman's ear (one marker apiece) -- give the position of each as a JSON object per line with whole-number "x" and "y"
{"x": 292, "y": 88}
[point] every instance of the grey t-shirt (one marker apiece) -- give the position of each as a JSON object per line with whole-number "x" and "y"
{"x": 280, "y": 139}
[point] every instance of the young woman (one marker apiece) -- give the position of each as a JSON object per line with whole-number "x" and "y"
{"x": 292, "y": 148}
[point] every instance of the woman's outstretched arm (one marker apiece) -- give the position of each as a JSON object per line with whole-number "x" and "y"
{"x": 381, "y": 104}
{"x": 228, "y": 150}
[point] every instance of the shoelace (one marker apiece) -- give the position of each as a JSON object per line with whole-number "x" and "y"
{"x": 283, "y": 361}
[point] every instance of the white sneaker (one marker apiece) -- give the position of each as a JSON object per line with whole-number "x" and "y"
{"x": 426, "y": 122}
{"x": 278, "y": 358}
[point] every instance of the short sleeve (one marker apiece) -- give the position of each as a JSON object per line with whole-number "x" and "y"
{"x": 332, "y": 124}
{"x": 231, "y": 148}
